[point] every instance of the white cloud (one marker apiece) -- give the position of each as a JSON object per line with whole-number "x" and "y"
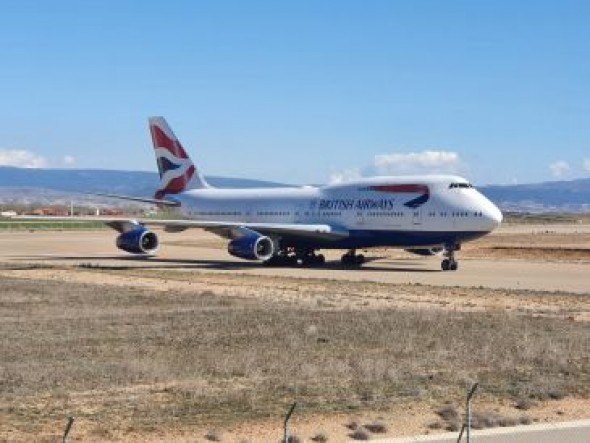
{"x": 21, "y": 158}
{"x": 559, "y": 168}
{"x": 417, "y": 163}
{"x": 587, "y": 164}
{"x": 69, "y": 160}
{"x": 425, "y": 162}
{"x": 344, "y": 176}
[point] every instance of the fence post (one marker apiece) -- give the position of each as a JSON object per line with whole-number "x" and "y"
{"x": 68, "y": 429}
{"x": 461, "y": 433}
{"x": 286, "y": 427}
{"x": 468, "y": 408}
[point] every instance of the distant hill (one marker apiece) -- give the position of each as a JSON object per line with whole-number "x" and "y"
{"x": 136, "y": 183}
{"x": 570, "y": 196}
{"x": 21, "y": 185}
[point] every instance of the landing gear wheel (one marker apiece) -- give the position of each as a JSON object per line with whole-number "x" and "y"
{"x": 309, "y": 258}
{"x": 351, "y": 259}
{"x": 449, "y": 263}
{"x": 281, "y": 259}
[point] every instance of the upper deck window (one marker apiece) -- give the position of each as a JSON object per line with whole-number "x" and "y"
{"x": 460, "y": 185}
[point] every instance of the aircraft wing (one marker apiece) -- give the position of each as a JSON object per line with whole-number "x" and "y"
{"x": 223, "y": 228}
{"x": 232, "y": 229}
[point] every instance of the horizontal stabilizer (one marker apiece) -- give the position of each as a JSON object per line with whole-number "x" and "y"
{"x": 155, "y": 201}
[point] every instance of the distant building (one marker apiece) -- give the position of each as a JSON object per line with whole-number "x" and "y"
{"x": 111, "y": 211}
{"x": 49, "y": 211}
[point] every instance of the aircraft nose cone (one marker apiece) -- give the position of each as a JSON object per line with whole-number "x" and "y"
{"x": 493, "y": 216}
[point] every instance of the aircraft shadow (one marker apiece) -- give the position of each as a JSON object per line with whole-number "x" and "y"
{"x": 173, "y": 263}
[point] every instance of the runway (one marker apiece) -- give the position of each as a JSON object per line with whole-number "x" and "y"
{"x": 202, "y": 251}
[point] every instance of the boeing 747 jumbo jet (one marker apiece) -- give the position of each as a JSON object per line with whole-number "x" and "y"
{"x": 426, "y": 215}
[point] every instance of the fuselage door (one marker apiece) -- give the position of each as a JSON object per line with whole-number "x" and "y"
{"x": 417, "y": 217}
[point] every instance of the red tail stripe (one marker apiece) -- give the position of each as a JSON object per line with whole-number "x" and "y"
{"x": 161, "y": 140}
{"x": 176, "y": 185}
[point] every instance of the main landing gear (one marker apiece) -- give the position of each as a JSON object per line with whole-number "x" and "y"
{"x": 352, "y": 259}
{"x": 294, "y": 257}
{"x": 310, "y": 258}
{"x": 449, "y": 263}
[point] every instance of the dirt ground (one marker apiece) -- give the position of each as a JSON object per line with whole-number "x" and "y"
{"x": 542, "y": 248}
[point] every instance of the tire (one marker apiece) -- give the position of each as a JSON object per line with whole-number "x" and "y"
{"x": 454, "y": 266}
{"x": 320, "y": 259}
{"x": 445, "y": 265}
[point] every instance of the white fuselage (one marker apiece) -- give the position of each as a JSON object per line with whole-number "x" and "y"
{"x": 404, "y": 211}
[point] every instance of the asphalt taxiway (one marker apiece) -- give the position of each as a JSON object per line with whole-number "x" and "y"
{"x": 199, "y": 250}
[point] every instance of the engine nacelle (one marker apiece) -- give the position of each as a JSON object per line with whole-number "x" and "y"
{"x": 251, "y": 246}
{"x": 138, "y": 241}
{"x": 426, "y": 251}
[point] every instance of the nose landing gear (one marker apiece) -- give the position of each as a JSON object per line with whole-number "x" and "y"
{"x": 449, "y": 263}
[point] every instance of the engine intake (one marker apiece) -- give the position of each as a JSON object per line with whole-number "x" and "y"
{"x": 138, "y": 241}
{"x": 251, "y": 246}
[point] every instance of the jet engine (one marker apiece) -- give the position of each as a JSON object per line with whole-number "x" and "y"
{"x": 251, "y": 246}
{"x": 138, "y": 241}
{"x": 426, "y": 251}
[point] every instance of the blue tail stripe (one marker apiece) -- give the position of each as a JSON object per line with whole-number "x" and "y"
{"x": 165, "y": 165}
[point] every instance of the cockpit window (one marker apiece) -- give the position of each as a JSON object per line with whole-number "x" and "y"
{"x": 460, "y": 185}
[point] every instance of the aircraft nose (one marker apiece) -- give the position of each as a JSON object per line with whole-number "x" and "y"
{"x": 493, "y": 216}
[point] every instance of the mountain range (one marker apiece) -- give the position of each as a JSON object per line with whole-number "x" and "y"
{"x": 553, "y": 196}
{"x": 59, "y": 186}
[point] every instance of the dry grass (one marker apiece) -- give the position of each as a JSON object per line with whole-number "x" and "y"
{"x": 136, "y": 360}
{"x": 524, "y": 404}
{"x": 376, "y": 427}
{"x": 213, "y": 436}
{"x": 320, "y": 437}
{"x": 360, "y": 434}
{"x": 452, "y": 420}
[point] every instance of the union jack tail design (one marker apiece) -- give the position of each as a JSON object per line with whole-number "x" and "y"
{"x": 175, "y": 167}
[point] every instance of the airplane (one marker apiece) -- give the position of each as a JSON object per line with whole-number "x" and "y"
{"x": 423, "y": 214}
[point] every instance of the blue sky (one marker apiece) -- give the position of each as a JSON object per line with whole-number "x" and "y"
{"x": 301, "y": 91}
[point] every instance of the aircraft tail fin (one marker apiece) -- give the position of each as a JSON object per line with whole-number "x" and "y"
{"x": 174, "y": 165}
